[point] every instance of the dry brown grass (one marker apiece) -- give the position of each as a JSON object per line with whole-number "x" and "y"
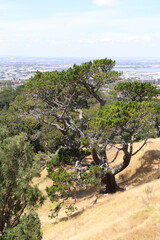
{"x": 132, "y": 215}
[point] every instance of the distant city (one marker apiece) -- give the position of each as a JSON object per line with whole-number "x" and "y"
{"x": 139, "y": 69}
{"x": 19, "y": 70}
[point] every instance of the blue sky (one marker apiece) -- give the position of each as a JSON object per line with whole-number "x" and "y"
{"x": 80, "y": 28}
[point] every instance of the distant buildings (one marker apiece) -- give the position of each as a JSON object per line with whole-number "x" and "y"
{"x": 18, "y": 70}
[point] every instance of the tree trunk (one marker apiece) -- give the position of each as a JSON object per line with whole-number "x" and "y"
{"x": 95, "y": 156}
{"x": 109, "y": 179}
{"x": 110, "y": 182}
{"x": 157, "y": 126}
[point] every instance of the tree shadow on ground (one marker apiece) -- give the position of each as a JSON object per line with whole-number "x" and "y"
{"x": 148, "y": 171}
{"x": 86, "y": 193}
{"x": 74, "y": 215}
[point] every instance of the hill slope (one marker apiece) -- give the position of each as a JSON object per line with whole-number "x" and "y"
{"x": 133, "y": 214}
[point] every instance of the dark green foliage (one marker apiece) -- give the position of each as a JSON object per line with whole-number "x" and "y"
{"x": 59, "y": 85}
{"x": 85, "y": 142}
{"x": 57, "y": 99}
{"x": 29, "y": 228}
{"x": 75, "y": 82}
{"x": 10, "y": 119}
{"x": 63, "y": 183}
{"x": 8, "y": 95}
{"x": 17, "y": 169}
{"x": 120, "y": 113}
{"x": 136, "y": 91}
{"x": 127, "y": 119}
{"x": 51, "y": 139}
{"x": 93, "y": 176}
{"x": 67, "y": 183}
{"x": 63, "y": 157}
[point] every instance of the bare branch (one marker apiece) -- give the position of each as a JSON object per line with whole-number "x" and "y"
{"x": 81, "y": 118}
{"x": 114, "y": 157}
{"x": 63, "y": 130}
{"x": 139, "y": 148}
{"x": 131, "y": 146}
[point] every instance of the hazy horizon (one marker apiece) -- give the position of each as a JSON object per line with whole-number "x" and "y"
{"x": 70, "y": 58}
{"x": 94, "y": 28}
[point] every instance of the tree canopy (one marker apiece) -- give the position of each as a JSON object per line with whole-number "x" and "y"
{"x": 74, "y": 102}
{"x": 136, "y": 91}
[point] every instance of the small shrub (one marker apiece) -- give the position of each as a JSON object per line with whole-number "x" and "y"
{"x": 64, "y": 156}
{"x": 28, "y": 228}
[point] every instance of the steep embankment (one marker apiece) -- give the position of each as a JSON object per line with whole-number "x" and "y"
{"x": 133, "y": 214}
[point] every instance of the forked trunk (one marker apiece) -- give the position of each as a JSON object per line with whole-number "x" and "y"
{"x": 109, "y": 178}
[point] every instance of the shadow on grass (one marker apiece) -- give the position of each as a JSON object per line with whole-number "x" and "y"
{"x": 74, "y": 215}
{"x": 148, "y": 171}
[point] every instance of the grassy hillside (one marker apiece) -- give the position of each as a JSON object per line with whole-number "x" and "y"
{"x": 131, "y": 214}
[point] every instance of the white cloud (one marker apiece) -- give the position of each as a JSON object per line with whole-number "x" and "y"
{"x": 135, "y": 38}
{"x": 105, "y": 2}
{"x": 19, "y": 35}
{"x": 105, "y": 39}
{"x": 51, "y": 41}
{"x": 84, "y": 41}
{"x": 92, "y": 32}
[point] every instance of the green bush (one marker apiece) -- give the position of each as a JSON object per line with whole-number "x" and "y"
{"x": 29, "y": 228}
{"x": 64, "y": 156}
